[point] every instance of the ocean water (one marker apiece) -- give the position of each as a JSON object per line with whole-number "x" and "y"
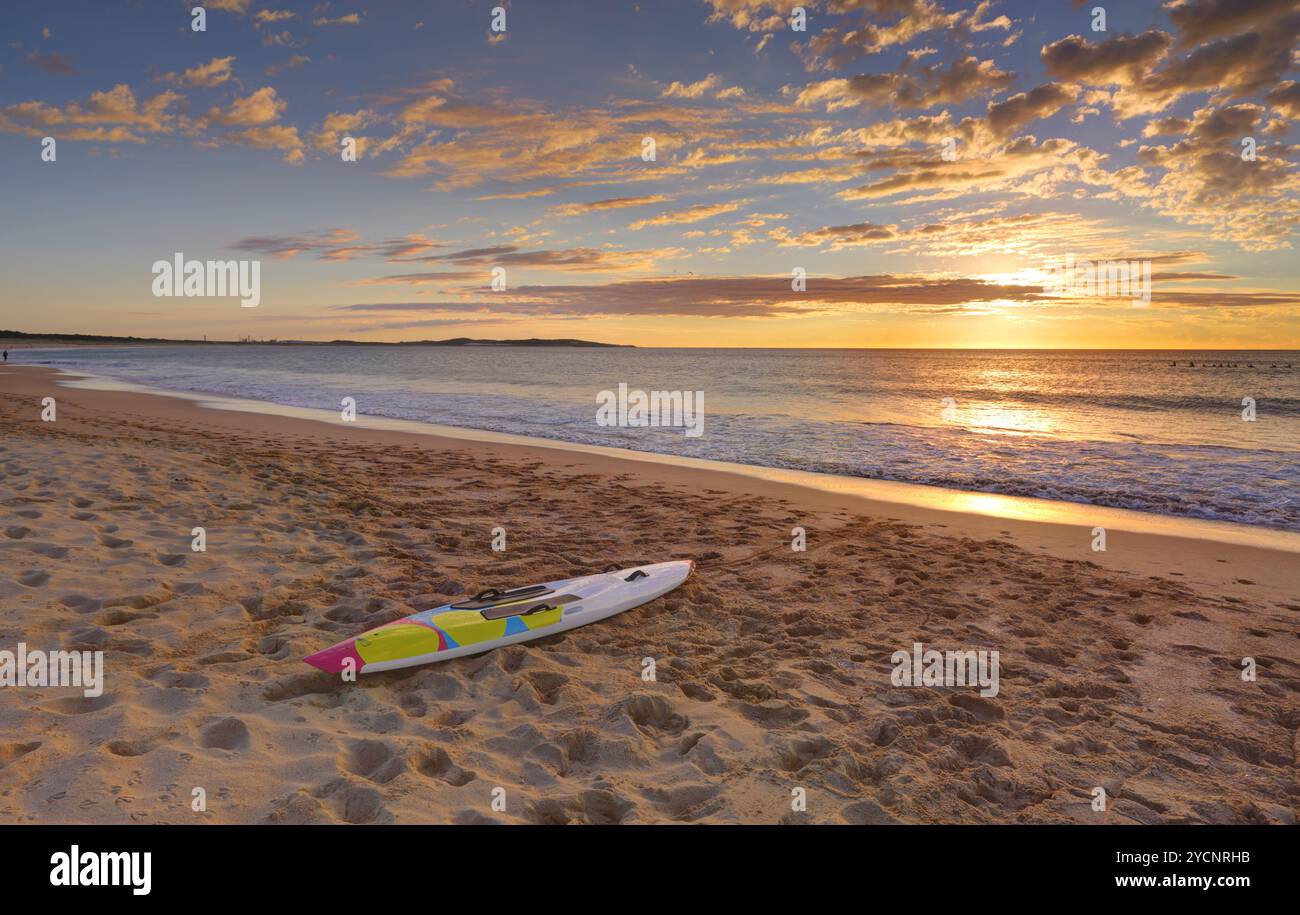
{"x": 1154, "y": 431}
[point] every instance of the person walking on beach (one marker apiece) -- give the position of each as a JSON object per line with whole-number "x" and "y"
{"x": 6, "y": 355}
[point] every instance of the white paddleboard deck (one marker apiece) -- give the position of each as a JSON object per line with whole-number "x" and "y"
{"x": 491, "y": 620}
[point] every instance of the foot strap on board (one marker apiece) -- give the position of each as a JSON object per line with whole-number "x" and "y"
{"x": 491, "y": 597}
{"x": 526, "y": 609}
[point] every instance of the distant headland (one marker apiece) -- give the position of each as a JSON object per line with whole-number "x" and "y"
{"x": 12, "y": 337}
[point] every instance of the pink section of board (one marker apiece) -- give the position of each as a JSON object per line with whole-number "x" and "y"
{"x": 331, "y": 659}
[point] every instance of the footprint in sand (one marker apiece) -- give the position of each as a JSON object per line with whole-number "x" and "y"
{"x": 79, "y": 502}
{"x": 87, "y": 638}
{"x": 580, "y": 747}
{"x": 413, "y": 706}
{"x": 275, "y": 647}
{"x": 472, "y": 817}
{"x": 355, "y": 804}
{"x": 867, "y": 813}
{"x": 594, "y": 806}
{"x": 79, "y": 705}
{"x": 800, "y": 753}
{"x": 171, "y": 559}
{"x": 653, "y": 714}
{"x": 34, "y": 578}
{"x": 982, "y": 708}
{"x": 179, "y": 679}
{"x": 297, "y": 686}
{"x": 80, "y": 603}
{"x": 137, "y": 747}
{"x": 223, "y": 657}
{"x": 12, "y": 751}
{"x": 374, "y": 760}
{"x": 116, "y": 617}
{"x": 226, "y": 734}
{"x": 137, "y": 601}
{"x": 114, "y": 543}
{"x": 773, "y": 713}
{"x": 685, "y": 803}
{"x": 546, "y": 685}
{"x": 433, "y": 762}
{"x": 696, "y": 691}
{"x": 17, "y": 532}
{"x": 300, "y": 809}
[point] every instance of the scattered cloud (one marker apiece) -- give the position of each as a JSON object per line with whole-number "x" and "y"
{"x": 338, "y": 124}
{"x": 688, "y": 215}
{"x": 261, "y": 107}
{"x": 282, "y": 137}
{"x": 883, "y": 24}
{"x": 1118, "y": 60}
{"x": 57, "y": 64}
{"x": 726, "y": 297}
{"x": 1206, "y": 182}
{"x": 692, "y": 90}
{"x": 924, "y": 87}
{"x": 349, "y": 19}
{"x": 609, "y": 203}
{"x": 213, "y": 73}
{"x": 337, "y": 245}
{"x": 114, "y": 116}
{"x": 1043, "y": 101}
{"x": 1224, "y": 46}
{"x": 268, "y": 17}
{"x": 293, "y": 63}
{"x": 577, "y": 260}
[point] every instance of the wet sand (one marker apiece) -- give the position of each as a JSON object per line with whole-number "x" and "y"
{"x": 1119, "y": 670}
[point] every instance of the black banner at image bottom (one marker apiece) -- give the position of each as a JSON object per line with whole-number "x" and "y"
{"x": 379, "y": 865}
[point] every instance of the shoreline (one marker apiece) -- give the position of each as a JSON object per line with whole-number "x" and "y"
{"x": 1064, "y": 528}
{"x": 894, "y": 492}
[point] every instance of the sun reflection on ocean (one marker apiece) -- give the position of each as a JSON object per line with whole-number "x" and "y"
{"x": 996, "y": 419}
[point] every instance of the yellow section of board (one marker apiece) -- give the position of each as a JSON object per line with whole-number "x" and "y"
{"x": 544, "y": 618}
{"x": 400, "y": 640}
{"x": 467, "y": 627}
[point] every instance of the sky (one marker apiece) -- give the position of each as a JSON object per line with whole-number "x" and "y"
{"x": 926, "y": 167}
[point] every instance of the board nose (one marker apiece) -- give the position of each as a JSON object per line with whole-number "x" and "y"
{"x": 332, "y": 659}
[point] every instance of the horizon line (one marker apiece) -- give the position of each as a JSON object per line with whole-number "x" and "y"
{"x": 111, "y": 340}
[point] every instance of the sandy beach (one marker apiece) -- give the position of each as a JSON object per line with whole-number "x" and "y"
{"x": 1119, "y": 670}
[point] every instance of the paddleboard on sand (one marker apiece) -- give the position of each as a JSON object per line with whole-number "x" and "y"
{"x": 494, "y": 618}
